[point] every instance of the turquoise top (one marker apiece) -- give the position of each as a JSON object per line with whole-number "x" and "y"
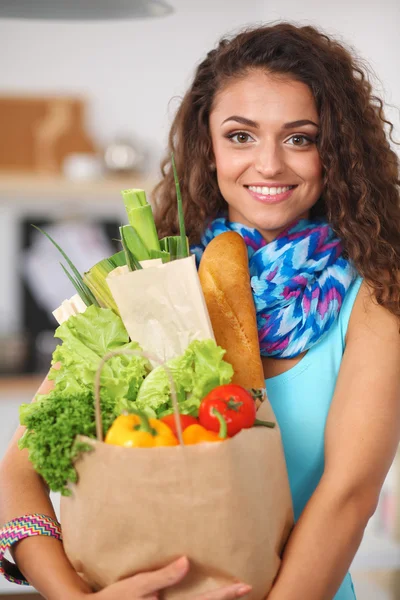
{"x": 301, "y": 398}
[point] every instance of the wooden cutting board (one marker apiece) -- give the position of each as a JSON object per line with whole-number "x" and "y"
{"x": 37, "y": 133}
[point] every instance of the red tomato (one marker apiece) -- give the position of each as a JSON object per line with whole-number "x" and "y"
{"x": 234, "y": 403}
{"x": 186, "y": 420}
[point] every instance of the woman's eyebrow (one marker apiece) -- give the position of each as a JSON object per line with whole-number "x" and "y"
{"x": 250, "y": 123}
{"x": 299, "y": 124}
{"x": 242, "y": 121}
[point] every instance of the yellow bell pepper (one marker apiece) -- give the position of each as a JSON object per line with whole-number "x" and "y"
{"x": 138, "y": 431}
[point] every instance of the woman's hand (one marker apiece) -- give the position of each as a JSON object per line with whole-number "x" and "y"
{"x": 147, "y": 586}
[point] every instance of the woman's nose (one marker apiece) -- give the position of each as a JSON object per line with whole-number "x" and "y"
{"x": 269, "y": 161}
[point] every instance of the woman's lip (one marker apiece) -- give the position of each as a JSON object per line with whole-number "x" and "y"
{"x": 269, "y": 198}
{"x": 269, "y": 185}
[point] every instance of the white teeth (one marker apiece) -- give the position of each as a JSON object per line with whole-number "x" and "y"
{"x": 269, "y": 191}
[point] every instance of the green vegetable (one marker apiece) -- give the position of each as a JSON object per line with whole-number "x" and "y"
{"x": 140, "y": 237}
{"x": 140, "y": 216}
{"x": 55, "y": 419}
{"x": 95, "y": 279}
{"x": 131, "y": 260}
{"x": 86, "y": 338}
{"x": 172, "y": 245}
{"x": 183, "y": 251}
{"x": 134, "y": 243}
{"x": 195, "y": 374}
{"x": 52, "y": 424}
{"x": 165, "y": 256}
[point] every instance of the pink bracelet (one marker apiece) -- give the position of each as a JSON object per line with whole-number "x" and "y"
{"x": 18, "y": 529}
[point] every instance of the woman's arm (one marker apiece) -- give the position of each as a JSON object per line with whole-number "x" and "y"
{"x": 361, "y": 438}
{"x": 41, "y": 559}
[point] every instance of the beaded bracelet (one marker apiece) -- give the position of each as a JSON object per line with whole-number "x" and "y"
{"x": 18, "y": 529}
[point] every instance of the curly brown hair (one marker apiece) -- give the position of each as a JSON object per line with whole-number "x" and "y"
{"x": 360, "y": 170}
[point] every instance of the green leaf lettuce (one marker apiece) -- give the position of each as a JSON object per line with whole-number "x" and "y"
{"x": 55, "y": 419}
{"x": 200, "y": 369}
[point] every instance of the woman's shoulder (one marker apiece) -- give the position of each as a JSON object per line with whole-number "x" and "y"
{"x": 370, "y": 320}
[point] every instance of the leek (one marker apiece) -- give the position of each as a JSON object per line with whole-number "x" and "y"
{"x": 117, "y": 259}
{"x": 165, "y": 256}
{"x": 140, "y": 216}
{"x": 134, "y": 243}
{"x": 133, "y": 198}
{"x": 131, "y": 260}
{"x": 95, "y": 279}
{"x": 171, "y": 244}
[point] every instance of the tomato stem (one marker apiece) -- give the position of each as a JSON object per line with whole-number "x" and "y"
{"x": 233, "y": 404}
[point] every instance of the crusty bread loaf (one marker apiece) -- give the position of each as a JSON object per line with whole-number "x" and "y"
{"x": 225, "y": 280}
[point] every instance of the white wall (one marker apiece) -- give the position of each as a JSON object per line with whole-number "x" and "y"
{"x": 129, "y": 70}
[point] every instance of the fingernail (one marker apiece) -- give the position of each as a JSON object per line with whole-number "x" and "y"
{"x": 181, "y": 563}
{"x": 242, "y": 590}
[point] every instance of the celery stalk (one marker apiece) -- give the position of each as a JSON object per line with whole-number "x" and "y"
{"x": 140, "y": 216}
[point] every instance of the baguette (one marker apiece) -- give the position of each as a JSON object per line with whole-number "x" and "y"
{"x": 225, "y": 280}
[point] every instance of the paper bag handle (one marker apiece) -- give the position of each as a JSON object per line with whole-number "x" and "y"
{"x": 154, "y": 360}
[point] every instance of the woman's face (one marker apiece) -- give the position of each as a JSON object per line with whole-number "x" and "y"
{"x": 264, "y": 131}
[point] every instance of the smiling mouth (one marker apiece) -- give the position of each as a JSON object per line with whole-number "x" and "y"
{"x": 269, "y": 191}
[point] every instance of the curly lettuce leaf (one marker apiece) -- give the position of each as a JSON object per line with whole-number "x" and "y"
{"x": 195, "y": 374}
{"x": 52, "y": 424}
{"x": 86, "y": 339}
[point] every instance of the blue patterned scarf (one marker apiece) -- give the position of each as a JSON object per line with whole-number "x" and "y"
{"x": 298, "y": 280}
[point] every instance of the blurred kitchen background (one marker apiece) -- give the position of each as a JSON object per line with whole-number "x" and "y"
{"x": 85, "y": 109}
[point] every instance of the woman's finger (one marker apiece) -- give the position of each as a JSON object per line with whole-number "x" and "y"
{"x": 147, "y": 584}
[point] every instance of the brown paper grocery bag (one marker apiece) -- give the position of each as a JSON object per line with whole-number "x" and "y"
{"x": 226, "y": 506}
{"x": 162, "y": 306}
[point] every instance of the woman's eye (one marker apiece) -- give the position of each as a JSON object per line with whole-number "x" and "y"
{"x": 240, "y": 137}
{"x": 299, "y": 140}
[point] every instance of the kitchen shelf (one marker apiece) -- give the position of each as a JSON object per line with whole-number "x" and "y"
{"x": 27, "y": 186}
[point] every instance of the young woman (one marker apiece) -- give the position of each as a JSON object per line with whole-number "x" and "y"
{"x": 280, "y": 138}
